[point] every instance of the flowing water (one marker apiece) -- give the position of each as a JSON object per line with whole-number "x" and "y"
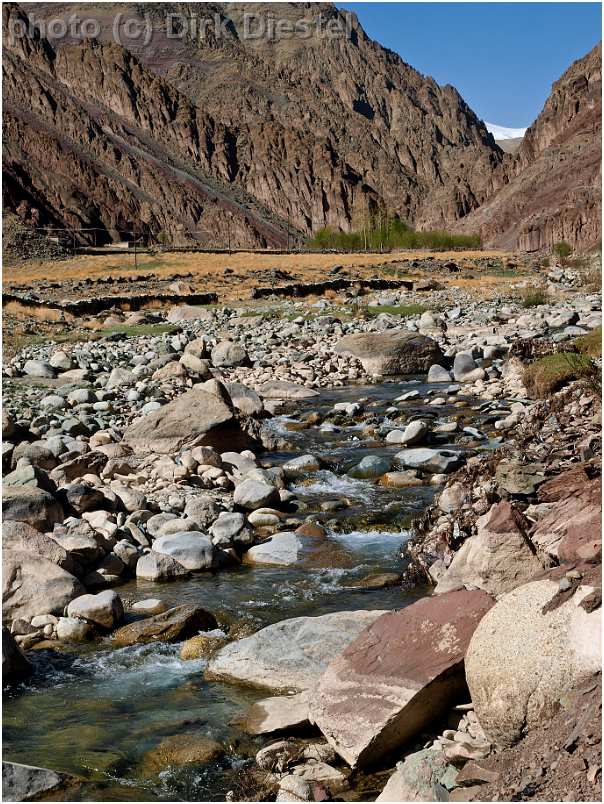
{"x": 95, "y": 711}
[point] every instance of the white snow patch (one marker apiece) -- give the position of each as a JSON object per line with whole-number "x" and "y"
{"x": 504, "y": 133}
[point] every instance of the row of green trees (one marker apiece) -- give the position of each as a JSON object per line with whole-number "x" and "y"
{"x": 390, "y": 234}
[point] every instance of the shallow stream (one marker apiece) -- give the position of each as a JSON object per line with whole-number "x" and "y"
{"x": 95, "y": 711}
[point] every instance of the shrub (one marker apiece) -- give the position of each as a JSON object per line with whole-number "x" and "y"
{"x": 590, "y": 344}
{"x": 404, "y": 310}
{"x": 562, "y": 249}
{"x": 534, "y": 298}
{"x": 551, "y": 372}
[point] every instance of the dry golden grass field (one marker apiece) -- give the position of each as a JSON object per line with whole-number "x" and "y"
{"x": 248, "y": 269}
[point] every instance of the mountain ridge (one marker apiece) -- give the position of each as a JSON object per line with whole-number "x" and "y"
{"x": 552, "y": 187}
{"x": 250, "y": 143}
{"x": 329, "y": 150}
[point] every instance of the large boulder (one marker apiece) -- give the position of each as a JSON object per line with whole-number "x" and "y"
{"x": 291, "y": 655}
{"x": 497, "y": 559}
{"x": 281, "y": 549}
{"x": 15, "y": 666}
{"x": 28, "y": 783}
{"x": 22, "y": 536}
{"x": 528, "y": 652}
{"x": 197, "y": 418}
{"x": 402, "y": 673}
{"x": 394, "y": 351}
{"x": 192, "y": 549}
{"x": 104, "y": 609}
{"x": 174, "y": 625}
{"x": 33, "y": 585}
{"x": 159, "y": 567}
{"x": 29, "y": 504}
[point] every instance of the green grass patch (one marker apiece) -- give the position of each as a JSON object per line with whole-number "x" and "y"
{"x": 74, "y": 336}
{"x": 550, "y": 373}
{"x": 534, "y": 298}
{"x": 562, "y": 249}
{"x": 137, "y": 330}
{"x": 590, "y": 344}
{"x": 404, "y": 310}
{"x": 500, "y": 270}
{"x": 390, "y": 234}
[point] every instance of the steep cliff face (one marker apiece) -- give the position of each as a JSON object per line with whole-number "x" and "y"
{"x": 230, "y": 137}
{"x": 553, "y": 185}
{"x": 92, "y": 139}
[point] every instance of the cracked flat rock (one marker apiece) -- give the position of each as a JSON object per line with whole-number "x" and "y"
{"x": 290, "y": 655}
{"x": 400, "y": 674}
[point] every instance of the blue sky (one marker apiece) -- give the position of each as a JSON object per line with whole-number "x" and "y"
{"x": 501, "y": 57}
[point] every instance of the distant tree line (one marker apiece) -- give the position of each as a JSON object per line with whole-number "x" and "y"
{"x": 389, "y": 234}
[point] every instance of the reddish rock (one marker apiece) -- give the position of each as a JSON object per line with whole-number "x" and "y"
{"x": 582, "y": 545}
{"x": 572, "y": 529}
{"x": 563, "y": 485}
{"x": 397, "y": 676}
{"x": 311, "y": 529}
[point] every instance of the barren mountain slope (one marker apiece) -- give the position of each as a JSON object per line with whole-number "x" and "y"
{"x": 318, "y": 131}
{"x": 554, "y": 189}
{"x": 92, "y": 139}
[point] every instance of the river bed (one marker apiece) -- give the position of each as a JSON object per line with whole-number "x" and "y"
{"x": 95, "y": 711}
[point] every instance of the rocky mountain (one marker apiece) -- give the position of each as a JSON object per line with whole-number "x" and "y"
{"x": 552, "y": 188}
{"x": 187, "y": 124}
{"x": 235, "y": 139}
